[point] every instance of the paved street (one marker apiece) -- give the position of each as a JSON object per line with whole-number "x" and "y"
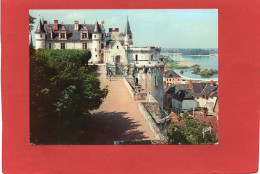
{"x": 118, "y": 118}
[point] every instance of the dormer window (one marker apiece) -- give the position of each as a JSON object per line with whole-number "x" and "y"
{"x": 84, "y": 35}
{"x": 62, "y": 35}
{"x": 84, "y": 32}
{"x": 50, "y": 35}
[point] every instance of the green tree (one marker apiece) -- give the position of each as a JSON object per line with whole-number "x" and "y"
{"x": 196, "y": 70}
{"x": 31, "y": 21}
{"x": 191, "y": 132}
{"x": 63, "y": 91}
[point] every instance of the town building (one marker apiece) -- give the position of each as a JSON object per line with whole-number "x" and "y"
{"x": 171, "y": 77}
{"x": 186, "y": 97}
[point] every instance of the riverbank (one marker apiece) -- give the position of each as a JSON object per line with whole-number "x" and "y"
{"x": 190, "y": 55}
{"x": 180, "y": 65}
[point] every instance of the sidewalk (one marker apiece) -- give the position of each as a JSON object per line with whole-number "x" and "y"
{"x": 118, "y": 118}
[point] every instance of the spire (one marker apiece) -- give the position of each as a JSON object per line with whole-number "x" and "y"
{"x": 40, "y": 28}
{"x": 97, "y": 28}
{"x": 127, "y": 27}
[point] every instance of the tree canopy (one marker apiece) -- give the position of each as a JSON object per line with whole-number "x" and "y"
{"x": 63, "y": 91}
{"x": 191, "y": 132}
{"x": 31, "y": 21}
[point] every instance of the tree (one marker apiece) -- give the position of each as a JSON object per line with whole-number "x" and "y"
{"x": 191, "y": 132}
{"x": 31, "y": 21}
{"x": 63, "y": 91}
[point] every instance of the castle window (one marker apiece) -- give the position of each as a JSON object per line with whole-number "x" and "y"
{"x": 102, "y": 45}
{"x": 62, "y": 35}
{"x": 85, "y": 45}
{"x": 130, "y": 36}
{"x": 41, "y": 35}
{"x": 49, "y": 45}
{"x": 62, "y": 45}
{"x": 117, "y": 47}
{"x": 155, "y": 81}
{"x": 84, "y": 35}
{"x": 94, "y": 36}
{"x": 136, "y": 57}
{"x": 152, "y": 57}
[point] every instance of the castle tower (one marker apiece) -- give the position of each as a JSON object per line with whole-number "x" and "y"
{"x": 40, "y": 36}
{"x": 96, "y": 38}
{"x": 128, "y": 34}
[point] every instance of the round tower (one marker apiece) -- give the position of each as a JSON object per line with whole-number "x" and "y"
{"x": 96, "y": 43}
{"x": 40, "y": 36}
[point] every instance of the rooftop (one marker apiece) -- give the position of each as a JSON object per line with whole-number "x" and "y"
{"x": 170, "y": 74}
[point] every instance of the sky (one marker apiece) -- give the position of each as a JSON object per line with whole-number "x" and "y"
{"x": 167, "y": 28}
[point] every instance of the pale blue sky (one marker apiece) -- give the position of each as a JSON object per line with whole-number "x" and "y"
{"x": 168, "y": 28}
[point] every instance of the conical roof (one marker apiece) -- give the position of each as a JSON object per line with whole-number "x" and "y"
{"x": 127, "y": 28}
{"x": 97, "y": 28}
{"x": 40, "y": 28}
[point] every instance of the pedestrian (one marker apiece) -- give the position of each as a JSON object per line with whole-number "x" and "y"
{"x": 110, "y": 74}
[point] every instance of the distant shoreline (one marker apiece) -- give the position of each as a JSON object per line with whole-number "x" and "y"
{"x": 190, "y": 55}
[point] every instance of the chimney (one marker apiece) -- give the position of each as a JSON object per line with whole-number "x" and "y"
{"x": 44, "y": 22}
{"x": 102, "y": 24}
{"x": 56, "y": 27}
{"x": 76, "y": 25}
{"x": 211, "y": 83}
{"x": 110, "y": 29}
{"x": 190, "y": 85}
{"x": 117, "y": 29}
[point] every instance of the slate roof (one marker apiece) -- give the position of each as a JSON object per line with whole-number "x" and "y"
{"x": 112, "y": 43}
{"x": 71, "y": 33}
{"x": 97, "y": 28}
{"x": 196, "y": 91}
{"x": 185, "y": 94}
{"x": 214, "y": 94}
{"x": 127, "y": 28}
{"x": 198, "y": 88}
{"x": 170, "y": 74}
{"x": 40, "y": 28}
{"x": 175, "y": 88}
{"x": 208, "y": 90}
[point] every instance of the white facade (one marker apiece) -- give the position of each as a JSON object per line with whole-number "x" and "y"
{"x": 72, "y": 36}
{"x": 96, "y": 48}
{"x": 40, "y": 40}
{"x": 68, "y": 45}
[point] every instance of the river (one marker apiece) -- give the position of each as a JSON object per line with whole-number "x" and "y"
{"x": 203, "y": 61}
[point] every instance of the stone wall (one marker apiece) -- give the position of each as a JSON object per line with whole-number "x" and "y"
{"x": 135, "y": 95}
{"x": 130, "y": 89}
{"x": 158, "y": 127}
